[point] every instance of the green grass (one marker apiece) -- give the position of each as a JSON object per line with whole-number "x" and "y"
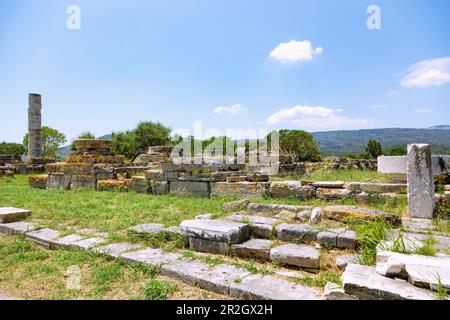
{"x": 321, "y": 280}
{"x": 157, "y": 290}
{"x": 369, "y": 236}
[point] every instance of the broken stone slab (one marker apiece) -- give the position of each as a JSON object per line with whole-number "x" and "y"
{"x": 296, "y": 255}
{"x": 275, "y": 208}
{"x": 204, "y": 177}
{"x": 218, "y": 279}
{"x": 327, "y": 239}
{"x": 254, "y": 249}
{"x": 377, "y": 187}
{"x": 341, "y": 212}
{"x": 260, "y": 227}
{"x": 215, "y": 230}
{"x": 147, "y": 229}
{"x": 10, "y": 214}
{"x": 258, "y": 287}
{"x": 184, "y": 270}
{"x": 346, "y": 259}
{"x": 418, "y": 225}
{"x": 209, "y": 246}
{"x": 346, "y": 240}
{"x": 88, "y": 243}
{"x": 332, "y": 194}
{"x": 419, "y": 270}
{"x": 291, "y": 189}
{"x": 364, "y": 283}
{"x": 333, "y": 291}
{"x": 66, "y": 242}
{"x": 155, "y": 257}
{"x": 117, "y": 249}
{"x": 329, "y": 184}
{"x": 43, "y": 237}
{"x": 297, "y": 232}
{"x": 236, "y": 206}
{"x": 17, "y": 227}
{"x": 442, "y": 243}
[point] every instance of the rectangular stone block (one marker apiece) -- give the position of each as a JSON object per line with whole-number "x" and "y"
{"x": 58, "y": 181}
{"x": 159, "y": 187}
{"x": 88, "y": 243}
{"x": 189, "y": 188}
{"x": 209, "y": 246}
{"x": 38, "y": 181}
{"x": 150, "y": 256}
{"x": 9, "y": 214}
{"x": 17, "y": 227}
{"x": 139, "y": 184}
{"x": 240, "y": 189}
{"x": 297, "y": 232}
{"x": 148, "y": 229}
{"x": 291, "y": 189}
{"x": 215, "y": 230}
{"x": 332, "y": 194}
{"x": 186, "y": 271}
{"x": 83, "y": 181}
{"x": 296, "y": 255}
{"x": 65, "y": 242}
{"x": 421, "y": 190}
{"x": 116, "y": 249}
{"x": 275, "y": 208}
{"x": 254, "y": 249}
{"x": 43, "y": 237}
{"x": 219, "y": 278}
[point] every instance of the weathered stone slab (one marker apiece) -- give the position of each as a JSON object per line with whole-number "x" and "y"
{"x": 88, "y": 243}
{"x": 148, "y": 229}
{"x": 374, "y": 187}
{"x": 333, "y": 291}
{"x": 117, "y": 249}
{"x": 186, "y": 271}
{"x": 82, "y": 181}
{"x": 241, "y": 189}
{"x": 254, "y": 249}
{"x": 418, "y": 225}
{"x": 442, "y": 242}
{"x": 329, "y": 184}
{"x": 219, "y": 278}
{"x": 66, "y": 242}
{"x": 346, "y": 240}
{"x": 209, "y": 246}
{"x": 291, "y": 189}
{"x": 316, "y": 216}
{"x": 275, "y": 208}
{"x": 204, "y": 177}
{"x": 17, "y": 227}
{"x": 421, "y": 189}
{"x": 216, "y": 230}
{"x": 346, "y": 259}
{"x": 270, "y": 288}
{"x": 38, "y": 181}
{"x": 297, "y": 232}
{"x": 260, "y": 227}
{"x": 327, "y": 239}
{"x": 332, "y": 194}
{"x": 236, "y": 206}
{"x": 365, "y": 283}
{"x": 189, "y": 188}
{"x": 43, "y": 237}
{"x": 429, "y": 277}
{"x": 257, "y": 177}
{"x": 340, "y": 212}
{"x": 114, "y": 184}
{"x": 9, "y": 214}
{"x": 140, "y": 184}
{"x": 159, "y": 187}
{"x": 154, "y": 257}
{"x": 296, "y": 255}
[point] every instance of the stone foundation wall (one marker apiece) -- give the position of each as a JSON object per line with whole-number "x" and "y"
{"x": 338, "y": 163}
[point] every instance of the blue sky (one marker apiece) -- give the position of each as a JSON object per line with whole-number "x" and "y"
{"x": 310, "y": 65}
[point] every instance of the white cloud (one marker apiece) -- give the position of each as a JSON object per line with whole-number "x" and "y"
{"x": 233, "y": 110}
{"x": 424, "y": 110}
{"x": 294, "y": 51}
{"x": 316, "y": 118}
{"x": 427, "y": 73}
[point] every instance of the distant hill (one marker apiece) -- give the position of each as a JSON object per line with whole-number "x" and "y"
{"x": 354, "y": 141}
{"x": 441, "y": 127}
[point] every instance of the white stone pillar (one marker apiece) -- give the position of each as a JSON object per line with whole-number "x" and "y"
{"x": 421, "y": 192}
{"x": 34, "y": 127}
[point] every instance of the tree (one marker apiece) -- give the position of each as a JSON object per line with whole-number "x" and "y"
{"x": 86, "y": 135}
{"x": 397, "y": 151}
{"x": 16, "y": 149}
{"x": 298, "y": 144}
{"x": 374, "y": 149}
{"x": 134, "y": 142}
{"x": 52, "y": 139}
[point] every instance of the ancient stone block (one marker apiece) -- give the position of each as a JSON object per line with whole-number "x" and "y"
{"x": 43, "y": 237}
{"x": 340, "y": 212}
{"x": 333, "y": 291}
{"x": 139, "y": 184}
{"x": 159, "y": 187}
{"x": 257, "y": 177}
{"x": 58, "y": 181}
{"x": 329, "y": 184}
{"x": 346, "y": 259}
{"x": 296, "y": 232}
{"x": 154, "y": 175}
{"x": 332, "y": 194}
{"x": 254, "y": 249}
{"x": 189, "y": 188}
{"x": 114, "y": 184}
{"x": 154, "y": 257}
{"x": 236, "y": 206}
{"x": 219, "y": 278}
{"x": 65, "y": 242}
{"x": 316, "y": 216}
{"x": 92, "y": 144}
{"x": 81, "y": 181}
{"x": 148, "y": 229}
{"x": 9, "y": 214}
{"x": 38, "y": 181}
{"x": 205, "y": 177}
{"x": 186, "y": 271}
{"x": 216, "y": 230}
{"x": 291, "y": 189}
{"x": 116, "y": 249}
{"x": 88, "y": 243}
{"x": 275, "y": 208}
{"x": 377, "y": 187}
{"x": 241, "y": 189}
{"x": 420, "y": 181}
{"x": 17, "y": 227}
{"x": 327, "y": 239}
{"x": 365, "y": 283}
{"x": 209, "y": 246}
{"x": 296, "y": 255}
{"x": 258, "y": 287}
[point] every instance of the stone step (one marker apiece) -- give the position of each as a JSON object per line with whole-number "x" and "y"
{"x": 297, "y": 232}
{"x": 254, "y": 249}
{"x": 442, "y": 242}
{"x": 17, "y": 227}
{"x": 215, "y": 230}
{"x": 10, "y": 214}
{"x": 260, "y": 227}
{"x": 341, "y": 212}
{"x": 337, "y": 238}
{"x": 43, "y": 237}
{"x": 296, "y": 255}
{"x": 147, "y": 229}
{"x": 365, "y": 283}
{"x": 115, "y": 250}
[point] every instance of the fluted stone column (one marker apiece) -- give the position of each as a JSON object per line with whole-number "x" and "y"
{"x": 34, "y": 127}
{"x": 421, "y": 192}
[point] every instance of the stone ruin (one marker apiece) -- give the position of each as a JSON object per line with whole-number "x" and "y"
{"x": 7, "y": 167}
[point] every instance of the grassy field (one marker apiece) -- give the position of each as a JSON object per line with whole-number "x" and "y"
{"x": 343, "y": 175}
{"x": 29, "y": 271}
